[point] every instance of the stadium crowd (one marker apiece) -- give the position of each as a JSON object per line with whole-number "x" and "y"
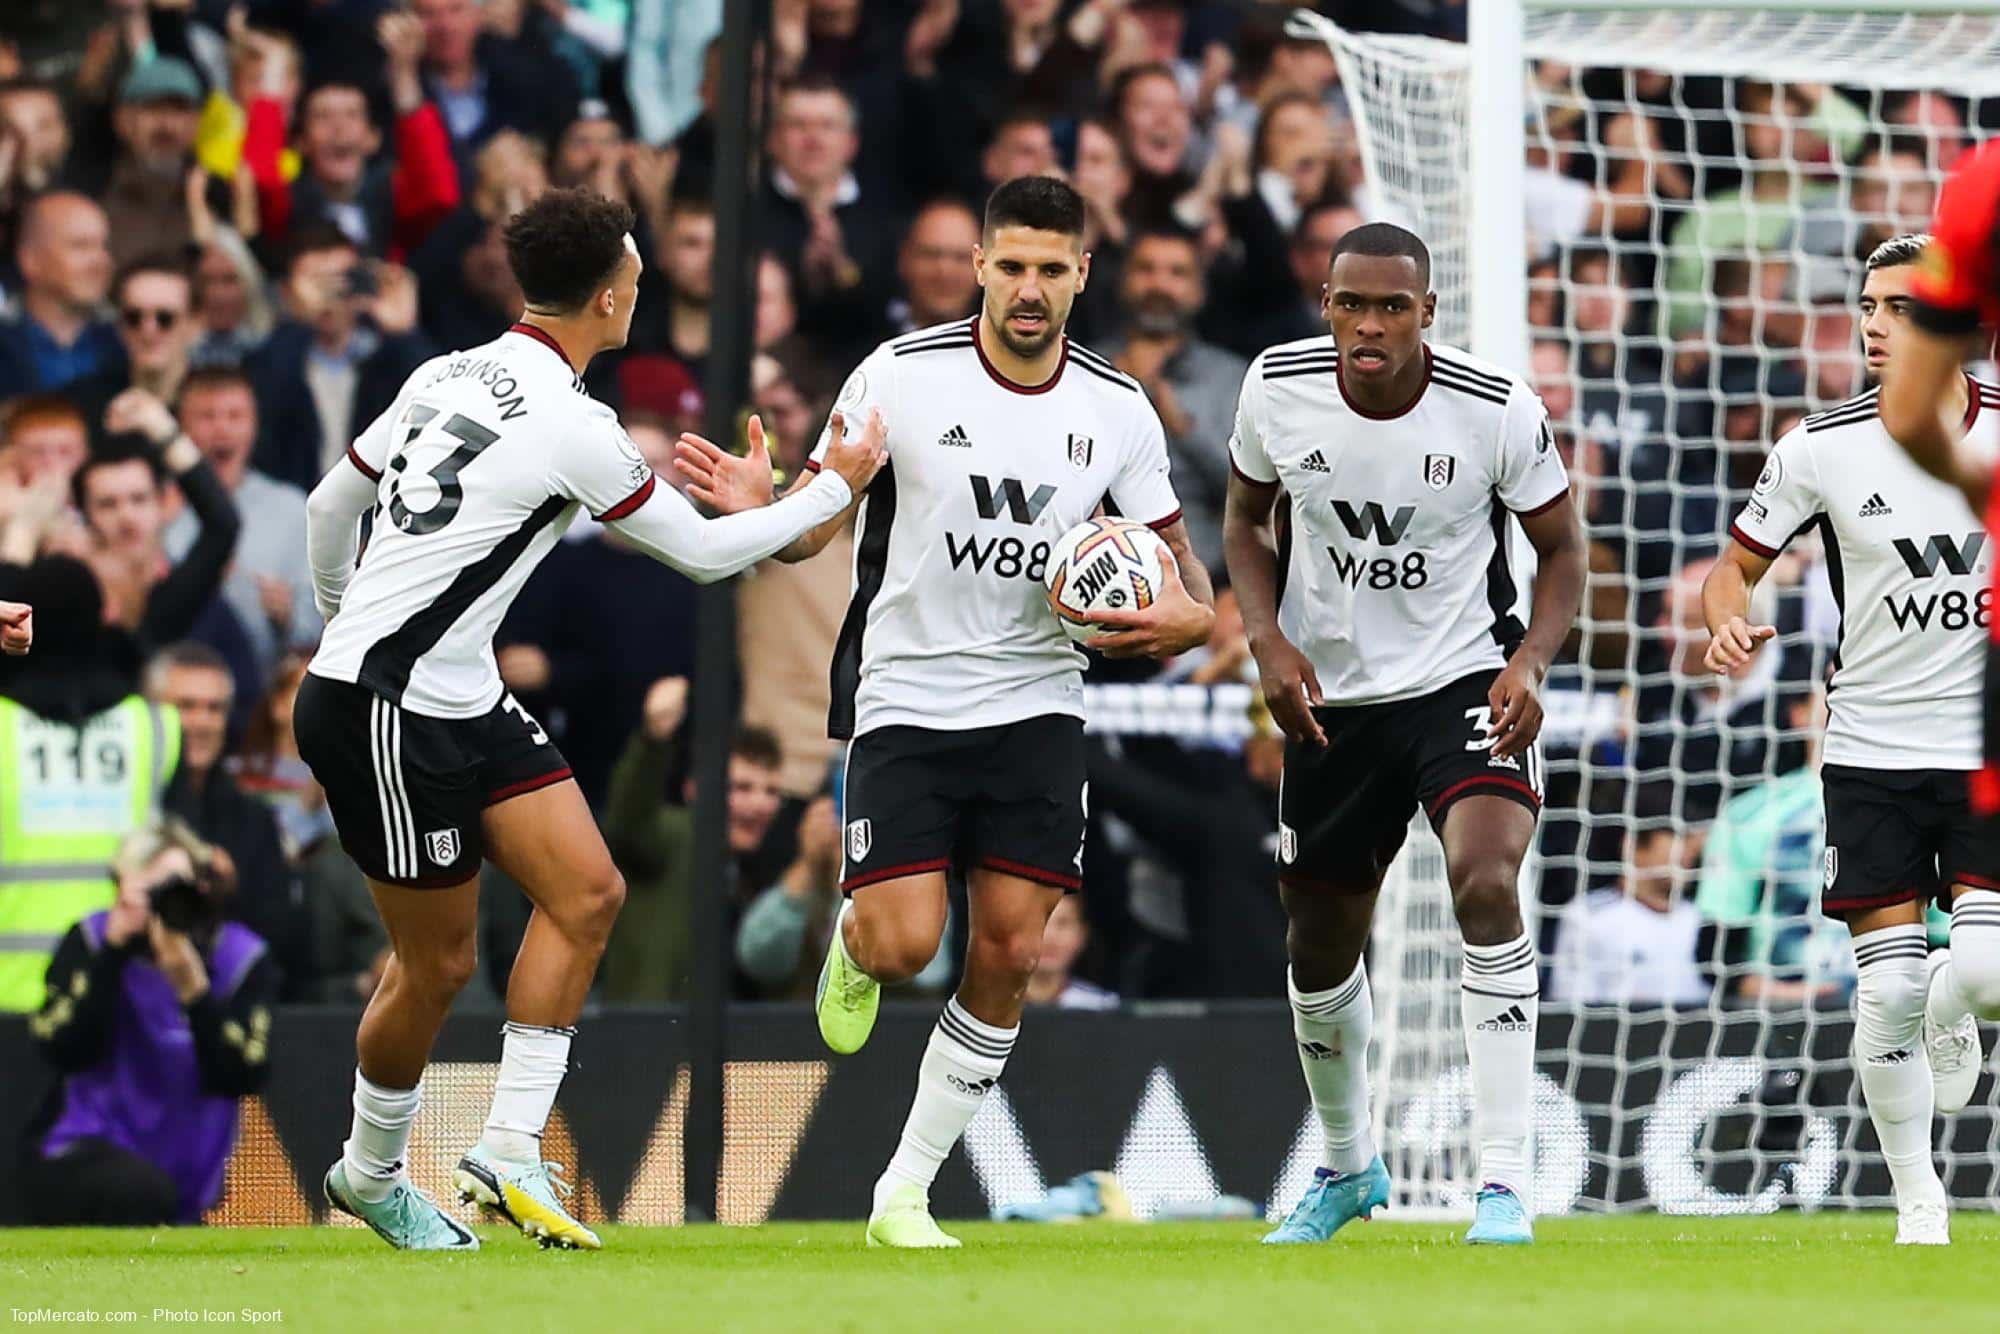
{"x": 228, "y": 232}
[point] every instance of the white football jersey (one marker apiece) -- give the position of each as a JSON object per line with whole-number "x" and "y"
{"x": 1397, "y": 580}
{"x": 949, "y": 626}
{"x": 1908, "y": 561}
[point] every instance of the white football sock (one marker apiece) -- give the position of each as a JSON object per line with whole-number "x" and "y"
{"x": 533, "y": 1061}
{"x": 960, "y": 1067}
{"x": 1500, "y": 1004}
{"x": 1332, "y": 1027}
{"x": 1889, "y": 1056}
{"x": 380, "y": 1138}
{"x": 1969, "y": 981}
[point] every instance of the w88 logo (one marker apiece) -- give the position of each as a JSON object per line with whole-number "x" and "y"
{"x": 1008, "y": 557}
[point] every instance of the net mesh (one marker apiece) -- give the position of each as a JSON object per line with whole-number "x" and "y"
{"x": 1701, "y": 189}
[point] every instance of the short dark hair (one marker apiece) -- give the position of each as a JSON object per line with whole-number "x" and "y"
{"x": 1121, "y": 87}
{"x": 1386, "y": 240}
{"x": 758, "y": 746}
{"x": 1163, "y": 232}
{"x": 208, "y": 379}
{"x": 365, "y": 93}
{"x": 565, "y": 246}
{"x": 156, "y": 262}
{"x": 1045, "y": 203}
{"x": 1898, "y": 250}
{"x": 820, "y": 85}
{"x": 186, "y": 653}
{"x": 112, "y": 452}
{"x": 314, "y": 237}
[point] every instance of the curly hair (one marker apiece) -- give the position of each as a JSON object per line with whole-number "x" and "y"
{"x": 565, "y": 246}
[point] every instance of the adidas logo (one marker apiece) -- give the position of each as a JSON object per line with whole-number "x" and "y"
{"x": 956, "y": 438}
{"x": 977, "y": 1088}
{"x": 1315, "y": 462}
{"x": 1875, "y": 507}
{"x": 1901, "y": 1056}
{"x": 1317, "y": 1051}
{"x": 1513, "y": 1020}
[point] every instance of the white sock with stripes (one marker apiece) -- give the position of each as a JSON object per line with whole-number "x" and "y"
{"x": 1968, "y": 982}
{"x": 533, "y": 1061}
{"x": 1499, "y": 1005}
{"x": 960, "y": 1067}
{"x": 1889, "y": 1056}
{"x": 379, "y": 1141}
{"x": 1332, "y": 1027}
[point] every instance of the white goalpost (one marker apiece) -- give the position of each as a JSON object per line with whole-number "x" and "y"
{"x": 1658, "y": 211}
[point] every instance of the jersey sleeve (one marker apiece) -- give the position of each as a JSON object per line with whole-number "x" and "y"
{"x": 1785, "y": 499}
{"x": 1247, "y": 457}
{"x": 1142, "y": 490}
{"x": 370, "y": 450}
{"x": 601, "y": 469}
{"x": 1531, "y": 475}
{"x": 1957, "y": 286}
{"x": 869, "y": 387}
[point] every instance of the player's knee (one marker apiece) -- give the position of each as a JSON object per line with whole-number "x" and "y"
{"x": 1486, "y": 899}
{"x": 897, "y": 956}
{"x": 1010, "y": 952}
{"x": 442, "y": 968}
{"x": 602, "y": 899}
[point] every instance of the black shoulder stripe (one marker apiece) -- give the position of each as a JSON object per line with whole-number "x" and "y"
{"x": 1089, "y": 360}
{"x": 1112, "y": 377}
{"x": 1499, "y": 383}
{"x": 1832, "y": 423}
{"x": 1315, "y": 368}
{"x": 1866, "y": 398}
{"x": 956, "y": 344}
{"x": 1079, "y": 351}
{"x": 1473, "y": 391}
{"x": 961, "y": 327}
{"x": 1296, "y": 353}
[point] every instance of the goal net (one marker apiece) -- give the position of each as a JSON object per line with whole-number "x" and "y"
{"x": 1701, "y": 186}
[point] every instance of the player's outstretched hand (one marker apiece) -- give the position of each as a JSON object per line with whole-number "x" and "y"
{"x": 719, "y": 478}
{"x": 1174, "y": 623}
{"x": 1291, "y": 690}
{"x": 1731, "y": 649}
{"x": 17, "y": 628}
{"x": 856, "y": 461}
{"x": 1516, "y": 702}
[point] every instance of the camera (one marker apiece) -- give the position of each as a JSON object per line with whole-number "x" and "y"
{"x": 360, "y": 281}
{"x": 180, "y": 905}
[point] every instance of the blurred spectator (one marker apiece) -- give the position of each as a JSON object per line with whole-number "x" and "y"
{"x": 79, "y": 802}
{"x": 65, "y": 261}
{"x": 1192, "y": 384}
{"x": 269, "y": 583}
{"x": 233, "y": 311}
{"x": 350, "y": 947}
{"x": 337, "y": 360}
{"x": 44, "y": 435}
{"x": 788, "y": 616}
{"x": 664, "y": 71}
{"x": 652, "y": 839}
{"x": 34, "y": 149}
{"x": 1296, "y": 302}
{"x": 1635, "y": 944}
{"x": 484, "y": 83}
{"x": 263, "y": 892}
{"x": 839, "y": 239}
{"x": 157, "y": 1016}
{"x": 785, "y": 932}
{"x": 1064, "y": 940}
{"x": 43, "y": 445}
{"x": 1268, "y": 61}
{"x": 1156, "y": 130}
{"x": 154, "y": 299}
{"x": 1021, "y": 145}
{"x": 1936, "y": 118}
{"x": 146, "y": 197}
{"x": 382, "y": 206}
{"x": 1760, "y": 884}
{"x": 935, "y": 264}
{"x": 1103, "y": 177}
{"x": 468, "y": 293}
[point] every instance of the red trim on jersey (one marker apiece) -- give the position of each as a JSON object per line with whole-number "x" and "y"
{"x": 1247, "y": 478}
{"x": 1515, "y": 789}
{"x": 814, "y": 465}
{"x": 1752, "y": 544}
{"x": 545, "y": 338}
{"x": 1008, "y": 384}
{"x": 1544, "y": 507}
{"x": 1976, "y": 881}
{"x": 1168, "y": 522}
{"x": 867, "y": 878}
{"x": 1053, "y": 879}
{"x": 527, "y": 785}
{"x": 1971, "y": 405}
{"x": 630, "y": 503}
{"x": 1340, "y": 378}
{"x": 372, "y": 474}
{"x": 1861, "y": 903}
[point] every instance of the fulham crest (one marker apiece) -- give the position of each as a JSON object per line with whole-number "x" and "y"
{"x": 442, "y": 845}
{"x": 860, "y": 838}
{"x": 1832, "y": 865}
{"x": 1439, "y": 469}
{"x": 1079, "y": 452}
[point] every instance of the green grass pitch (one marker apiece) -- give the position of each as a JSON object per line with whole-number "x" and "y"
{"x": 1776, "y": 1275}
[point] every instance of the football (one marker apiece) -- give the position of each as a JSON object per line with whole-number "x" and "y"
{"x": 1104, "y": 565}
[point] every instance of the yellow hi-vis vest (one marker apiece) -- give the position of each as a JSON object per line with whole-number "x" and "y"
{"x": 68, "y": 797}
